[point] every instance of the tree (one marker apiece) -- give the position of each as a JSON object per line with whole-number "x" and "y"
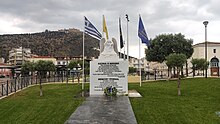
{"x": 132, "y": 70}
{"x": 176, "y": 60}
{"x": 42, "y": 67}
{"x": 26, "y": 68}
{"x": 71, "y": 65}
{"x": 165, "y": 44}
{"x": 87, "y": 68}
{"x": 199, "y": 64}
{"x": 76, "y": 63}
{"x": 195, "y": 65}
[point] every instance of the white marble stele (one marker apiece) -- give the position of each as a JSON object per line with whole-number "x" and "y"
{"x": 108, "y": 70}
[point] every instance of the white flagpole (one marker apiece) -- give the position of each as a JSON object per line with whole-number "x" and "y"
{"x": 103, "y": 34}
{"x": 124, "y": 50}
{"x": 140, "y": 61}
{"x": 83, "y": 58}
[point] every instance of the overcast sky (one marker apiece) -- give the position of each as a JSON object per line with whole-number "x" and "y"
{"x": 159, "y": 17}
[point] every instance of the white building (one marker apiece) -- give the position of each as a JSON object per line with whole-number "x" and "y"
{"x": 63, "y": 61}
{"x": 213, "y": 56}
{"x": 17, "y": 56}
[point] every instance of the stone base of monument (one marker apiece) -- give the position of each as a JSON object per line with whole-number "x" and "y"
{"x": 104, "y": 110}
{"x": 108, "y": 73}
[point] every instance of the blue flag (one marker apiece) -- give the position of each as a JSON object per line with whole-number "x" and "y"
{"x": 91, "y": 30}
{"x": 142, "y": 33}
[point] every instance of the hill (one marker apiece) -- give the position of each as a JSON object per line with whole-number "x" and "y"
{"x": 66, "y": 42}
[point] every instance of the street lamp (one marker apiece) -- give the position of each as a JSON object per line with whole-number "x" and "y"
{"x": 205, "y": 23}
{"x": 127, "y": 38}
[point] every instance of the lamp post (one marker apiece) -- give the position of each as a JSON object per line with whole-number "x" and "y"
{"x": 205, "y": 23}
{"x": 127, "y": 37}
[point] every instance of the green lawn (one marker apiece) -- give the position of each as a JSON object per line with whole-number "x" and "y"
{"x": 27, "y": 107}
{"x": 160, "y": 104}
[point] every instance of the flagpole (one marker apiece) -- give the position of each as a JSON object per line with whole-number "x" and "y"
{"x": 140, "y": 61}
{"x": 124, "y": 50}
{"x": 102, "y": 26}
{"x": 83, "y": 59}
{"x": 143, "y": 36}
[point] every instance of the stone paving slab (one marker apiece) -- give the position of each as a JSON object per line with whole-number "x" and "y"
{"x": 104, "y": 110}
{"x": 133, "y": 93}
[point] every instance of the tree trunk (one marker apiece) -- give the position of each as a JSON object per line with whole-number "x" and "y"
{"x": 41, "y": 91}
{"x": 73, "y": 78}
{"x": 193, "y": 72}
{"x": 67, "y": 77}
{"x": 178, "y": 71}
{"x": 182, "y": 75}
{"x": 187, "y": 74}
{"x": 85, "y": 77}
{"x": 169, "y": 73}
{"x": 78, "y": 78}
{"x": 174, "y": 71}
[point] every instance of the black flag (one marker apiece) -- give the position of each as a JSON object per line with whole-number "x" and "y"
{"x": 121, "y": 38}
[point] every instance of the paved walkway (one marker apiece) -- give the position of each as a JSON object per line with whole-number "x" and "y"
{"x": 104, "y": 110}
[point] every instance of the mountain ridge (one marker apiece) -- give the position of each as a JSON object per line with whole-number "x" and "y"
{"x": 64, "y": 42}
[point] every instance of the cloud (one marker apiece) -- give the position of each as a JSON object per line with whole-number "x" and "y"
{"x": 159, "y": 16}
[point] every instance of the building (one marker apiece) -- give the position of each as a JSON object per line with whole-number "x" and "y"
{"x": 35, "y": 58}
{"x": 213, "y": 56}
{"x": 17, "y": 56}
{"x": 5, "y": 70}
{"x": 2, "y": 60}
{"x": 63, "y": 61}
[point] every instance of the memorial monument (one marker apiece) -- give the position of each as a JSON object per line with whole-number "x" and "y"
{"x": 108, "y": 70}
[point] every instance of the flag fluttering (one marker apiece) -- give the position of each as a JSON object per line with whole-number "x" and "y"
{"x": 105, "y": 27}
{"x": 142, "y": 33}
{"x": 121, "y": 37}
{"x": 91, "y": 30}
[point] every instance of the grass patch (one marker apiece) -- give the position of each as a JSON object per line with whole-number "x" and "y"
{"x": 54, "y": 107}
{"x": 160, "y": 103}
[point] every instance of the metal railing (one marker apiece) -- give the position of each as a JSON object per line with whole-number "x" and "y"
{"x": 13, "y": 85}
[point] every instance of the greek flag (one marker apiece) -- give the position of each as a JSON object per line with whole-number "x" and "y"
{"x": 142, "y": 33}
{"x": 91, "y": 30}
